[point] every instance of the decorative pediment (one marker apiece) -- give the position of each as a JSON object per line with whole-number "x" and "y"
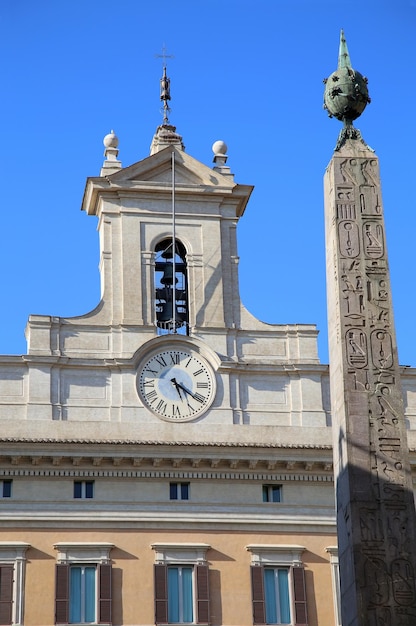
{"x": 157, "y": 168}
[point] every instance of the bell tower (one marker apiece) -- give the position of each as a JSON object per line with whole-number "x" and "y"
{"x": 170, "y": 339}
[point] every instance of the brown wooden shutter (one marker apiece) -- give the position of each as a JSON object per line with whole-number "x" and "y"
{"x": 161, "y": 594}
{"x": 202, "y": 593}
{"x": 104, "y": 576}
{"x": 299, "y": 594}
{"x": 6, "y": 593}
{"x": 62, "y": 594}
{"x": 257, "y": 590}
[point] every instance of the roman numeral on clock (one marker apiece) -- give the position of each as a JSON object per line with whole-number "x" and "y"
{"x": 161, "y": 406}
{"x": 151, "y": 394}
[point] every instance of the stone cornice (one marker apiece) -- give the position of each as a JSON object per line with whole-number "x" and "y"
{"x": 299, "y": 476}
{"x": 195, "y": 459}
{"x": 138, "y": 442}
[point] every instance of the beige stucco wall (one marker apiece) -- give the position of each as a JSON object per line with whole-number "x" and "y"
{"x": 133, "y": 559}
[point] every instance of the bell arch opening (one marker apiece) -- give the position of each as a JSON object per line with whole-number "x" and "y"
{"x": 171, "y": 288}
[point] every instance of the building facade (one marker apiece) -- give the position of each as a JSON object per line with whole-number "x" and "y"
{"x": 167, "y": 458}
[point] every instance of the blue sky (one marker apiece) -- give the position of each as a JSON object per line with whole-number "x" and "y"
{"x": 249, "y": 73}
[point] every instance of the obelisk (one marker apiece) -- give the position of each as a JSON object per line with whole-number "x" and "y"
{"x": 376, "y": 517}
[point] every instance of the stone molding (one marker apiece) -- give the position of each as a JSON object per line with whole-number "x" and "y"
{"x": 94, "y": 473}
{"x": 180, "y": 552}
{"x": 277, "y": 554}
{"x": 147, "y": 442}
{"x": 83, "y": 552}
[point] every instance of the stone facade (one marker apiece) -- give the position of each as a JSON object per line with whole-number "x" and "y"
{"x": 251, "y": 476}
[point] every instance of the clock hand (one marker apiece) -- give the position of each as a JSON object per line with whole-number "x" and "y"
{"x": 184, "y": 389}
{"x": 177, "y": 386}
{"x": 189, "y": 393}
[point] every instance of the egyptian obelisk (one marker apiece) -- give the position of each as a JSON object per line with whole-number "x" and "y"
{"x": 376, "y": 517}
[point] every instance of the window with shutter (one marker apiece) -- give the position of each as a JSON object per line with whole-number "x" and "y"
{"x": 6, "y": 594}
{"x": 202, "y": 591}
{"x": 62, "y": 594}
{"x": 105, "y": 591}
{"x": 12, "y": 577}
{"x": 83, "y": 592}
{"x": 299, "y": 594}
{"x": 270, "y": 593}
{"x": 181, "y": 584}
{"x": 161, "y": 594}
{"x": 80, "y": 589}
{"x": 278, "y": 585}
{"x": 259, "y": 614}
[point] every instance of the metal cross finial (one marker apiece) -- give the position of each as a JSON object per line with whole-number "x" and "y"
{"x": 165, "y": 85}
{"x": 164, "y": 55}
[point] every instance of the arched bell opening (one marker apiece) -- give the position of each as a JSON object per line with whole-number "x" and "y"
{"x": 171, "y": 288}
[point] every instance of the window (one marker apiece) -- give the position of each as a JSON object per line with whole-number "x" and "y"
{"x": 181, "y": 584}
{"x": 6, "y": 488}
{"x": 272, "y": 493}
{"x": 12, "y": 575}
{"x": 276, "y": 595}
{"x": 83, "y": 583}
{"x": 278, "y": 585}
{"x": 82, "y": 594}
{"x": 180, "y": 594}
{"x": 83, "y": 489}
{"x": 333, "y": 556}
{"x": 179, "y": 491}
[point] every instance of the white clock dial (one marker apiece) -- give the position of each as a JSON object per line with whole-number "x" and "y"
{"x": 176, "y": 384}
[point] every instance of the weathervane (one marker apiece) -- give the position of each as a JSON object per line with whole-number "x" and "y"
{"x": 165, "y": 86}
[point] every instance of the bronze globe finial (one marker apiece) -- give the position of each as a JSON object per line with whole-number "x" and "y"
{"x": 346, "y": 94}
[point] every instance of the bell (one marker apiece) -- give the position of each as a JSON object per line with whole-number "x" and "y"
{"x": 166, "y": 313}
{"x": 168, "y": 252}
{"x": 165, "y": 316}
{"x": 167, "y": 278}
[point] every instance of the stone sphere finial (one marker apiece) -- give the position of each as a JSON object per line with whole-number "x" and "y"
{"x": 110, "y": 140}
{"x": 219, "y": 147}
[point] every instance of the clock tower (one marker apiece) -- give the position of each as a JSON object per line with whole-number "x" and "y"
{"x": 170, "y": 304}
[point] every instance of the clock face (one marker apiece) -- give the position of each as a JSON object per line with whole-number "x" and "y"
{"x": 176, "y": 384}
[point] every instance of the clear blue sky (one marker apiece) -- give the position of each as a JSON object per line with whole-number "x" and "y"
{"x": 249, "y": 73}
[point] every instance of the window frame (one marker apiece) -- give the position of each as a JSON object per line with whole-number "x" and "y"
{"x": 13, "y": 558}
{"x": 182, "y": 555}
{"x": 278, "y": 556}
{"x": 83, "y": 592}
{"x": 6, "y": 487}
{"x": 182, "y": 591}
{"x": 334, "y": 562}
{"x": 83, "y": 554}
{"x": 182, "y": 491}
{"x": 268, "y": 490}
{"x": 86, "y": 489}
{"x": 278, "y": 600}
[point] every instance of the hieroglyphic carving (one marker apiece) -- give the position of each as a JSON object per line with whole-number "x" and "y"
{"x": 373, "y": 240}
{"x": 356, "y": 348}
{"x": 349, "y": 241}
{"x": 382, "y": 349}
{"x": 385, "y": 511}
